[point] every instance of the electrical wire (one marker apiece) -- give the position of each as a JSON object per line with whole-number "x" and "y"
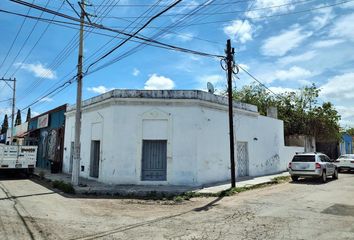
{"x": 15, "y": 39}
{"x": 230, "y": 12}
{"x": 134, "y": 34}
{"x": 25, "y": 42}
{"x": 67, "y": 50}
{"x": 37, "y": 42}
{"x": 254, "y": 78}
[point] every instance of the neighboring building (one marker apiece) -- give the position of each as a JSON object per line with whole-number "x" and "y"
{"x": 18, "y": 134}
{"x": 47, "y": 132}
{"x": 172, "y": 137}
{"x": 308, "y": 142}
{"x": 346, "y": 145}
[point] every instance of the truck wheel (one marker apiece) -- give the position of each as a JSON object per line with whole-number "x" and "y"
{"x": 295, "y": 178}
{"x": 324, "y": 177}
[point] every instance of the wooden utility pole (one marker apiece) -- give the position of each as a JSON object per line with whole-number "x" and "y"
{"x": 76, "y": 158}
{"x": 230, "y": 68}
{"x": 13, "y": 80}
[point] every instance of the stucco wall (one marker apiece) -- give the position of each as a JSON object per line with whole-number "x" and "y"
{"x": 196, "y": 134}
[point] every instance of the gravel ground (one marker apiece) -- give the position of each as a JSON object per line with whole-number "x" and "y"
{"x": 304, "y": 210}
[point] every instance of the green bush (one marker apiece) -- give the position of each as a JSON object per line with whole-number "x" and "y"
{"x": 65, "y": 187}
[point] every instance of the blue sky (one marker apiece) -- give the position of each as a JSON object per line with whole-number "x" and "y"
{"x": 286, "y": 44}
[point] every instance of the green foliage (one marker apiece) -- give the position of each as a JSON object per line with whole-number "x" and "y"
{"x": 300, "y": 110}
{"x": 18, "y": 120}
{"x": 28, "y": 118}
{"x": 65, "y": 187}
{"x": 350, "y": 131}
{"x": 41, "y": 174}
{"x": 5, "y": 125}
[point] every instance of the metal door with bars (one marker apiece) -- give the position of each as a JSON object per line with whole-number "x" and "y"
{"x": 154, "y": 160}
{"x": 242, "y": 159}
{"x": 95, "y": 159}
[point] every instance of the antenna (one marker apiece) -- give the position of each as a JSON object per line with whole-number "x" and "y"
{"x": 210, "y": 87}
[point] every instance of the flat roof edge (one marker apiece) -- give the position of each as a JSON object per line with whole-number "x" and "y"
{"x": 165, "y": 94}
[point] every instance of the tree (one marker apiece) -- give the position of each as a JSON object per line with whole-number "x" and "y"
{"x": 5, "y": 125}
{"x": 298, "y": 109}
{"x": 350, "y": 131}
{"x": 18, "y": 120}
{"x": 28, "y": 118}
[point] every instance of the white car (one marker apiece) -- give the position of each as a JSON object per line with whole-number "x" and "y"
{"x": 314, "y": 165}
{"x": 345, "y": 162}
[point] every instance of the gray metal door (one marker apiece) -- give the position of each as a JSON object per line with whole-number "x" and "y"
{"x": 242, "y": 159}
{"x": 154, "y": 160}
{"x": 95, "y": 159}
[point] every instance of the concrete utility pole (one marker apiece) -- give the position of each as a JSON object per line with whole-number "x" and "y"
{"x": 13, "y": 80}
{"x": 76, "y": 158}
{"x": 230, "y": 69}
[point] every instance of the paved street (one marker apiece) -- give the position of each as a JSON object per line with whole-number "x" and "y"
{"x": 305, "y": 210}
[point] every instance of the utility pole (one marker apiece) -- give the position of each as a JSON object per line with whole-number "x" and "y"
{"x": 76, "y": 157}
{"x": 230, "y": 70}
{"x": 13, "y": 80}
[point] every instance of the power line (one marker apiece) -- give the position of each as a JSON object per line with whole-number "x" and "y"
{"x": 24, "y": 43}
{"x": 68, "y": 49}
{"x": 179, "y": 5}
{"x": 271, "y": 16}
{"x": 17, "y": 34}
{"x": 254, "y": 78}
{"x": 35, "y": 45}
{"x": 230, "y": 12}
{"x": 134, "y": 34}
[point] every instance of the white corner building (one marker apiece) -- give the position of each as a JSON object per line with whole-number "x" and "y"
{"x": 172, "y": 137}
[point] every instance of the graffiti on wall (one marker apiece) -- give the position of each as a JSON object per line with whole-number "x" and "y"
{"x": 52, "y": 144}
{"x": 273, "y": 161}
{"x": 44, "y": 136}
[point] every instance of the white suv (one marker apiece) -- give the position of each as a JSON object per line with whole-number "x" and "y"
{"x": 312, "y": 165}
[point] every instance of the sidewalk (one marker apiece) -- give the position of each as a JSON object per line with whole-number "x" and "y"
{"x": 92, "y": 187}
{"x": 242, "y": 182}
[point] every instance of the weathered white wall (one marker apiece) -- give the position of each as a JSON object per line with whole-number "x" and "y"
{"x": 197, "y": 140}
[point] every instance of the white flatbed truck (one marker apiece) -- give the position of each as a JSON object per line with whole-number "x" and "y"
{"x": 18, "y": 158}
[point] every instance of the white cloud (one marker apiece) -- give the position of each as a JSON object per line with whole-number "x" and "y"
{"x": 347, "y": 115}
{"x": 339, "y": 88}
{"x": 304, "y": 82}
{"x": 34, "y": 114}
{"x": 344, "y": 27}
{"x": 182, "y": 37}
{"x": 46, "y": 99}
{"x": 297, "y": 58}
{"x": 99, "y": 89}
{"x": 327, "y": 43}
{"x": 347, "y": 5}
{"x": 136, "y": 72}
{"x": 323, "y": 17}
{"x": 284, "y": 42}
{"x": 246, "y": 67}
{"x": 268, "y": 7}
{"x": 279, "y": 90}
{"x": 239, "y": 31}
{"x": 156, "y": 82}
{"x": 185, "y": 37}
{"x": 218, "y": 81}
{"x": 292, "y": 73}
{"x": 39, "y": 70}
{"x": 4, "y": 111}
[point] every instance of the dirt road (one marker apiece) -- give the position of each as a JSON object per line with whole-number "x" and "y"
{"x": 305, "y": 210}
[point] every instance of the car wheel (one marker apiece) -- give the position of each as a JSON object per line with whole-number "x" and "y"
{"x": 295, "y": 178}
{"x": 324, "y": 177}
{"x": 335, "y": 174}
